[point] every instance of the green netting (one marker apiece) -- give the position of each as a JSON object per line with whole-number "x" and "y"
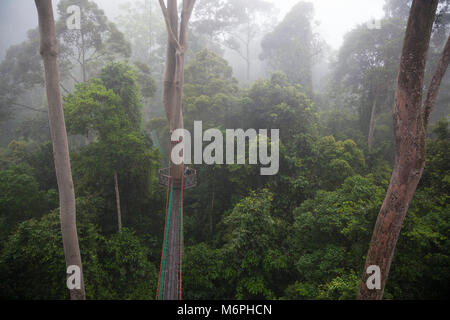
{"x": 163, "y": 264}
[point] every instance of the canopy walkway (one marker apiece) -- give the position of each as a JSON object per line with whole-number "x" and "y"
{"x": 170, "y": 273}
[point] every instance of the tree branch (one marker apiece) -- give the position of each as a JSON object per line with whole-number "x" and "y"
{"x": 433, "y": 90}
{"x": 72, "y": 77}
{"x": 27, "y": 107}
{"x": 62, "y": 86}
{"x": 188, "y": 6}
{"x": 172, "y": 36}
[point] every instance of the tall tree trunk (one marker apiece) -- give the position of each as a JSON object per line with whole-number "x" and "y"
{"x": 49, "y": 53}
{"x": 372, "y": 121}
{"x": 119, "y": 214}
{"x": 409, "y": 125}
{"x": 172, "y": 100}
{"x": 173, "y": 80}
{"x": 436, "y": 82}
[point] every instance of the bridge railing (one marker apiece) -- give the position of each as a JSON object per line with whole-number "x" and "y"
{"x": 190, "y": 177}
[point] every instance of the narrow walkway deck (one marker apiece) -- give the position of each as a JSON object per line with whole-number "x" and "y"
{"x": 171, "y": 280}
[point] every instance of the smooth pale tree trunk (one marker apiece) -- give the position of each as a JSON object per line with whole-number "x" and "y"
{"x": 49, "y": 52}
{"x": 410, "y": 122}
{"x": 119, "y": 214}
{"x": 173, "y": 80}
{"x": 172, "y": 100}
{"x": 174, "y": 71}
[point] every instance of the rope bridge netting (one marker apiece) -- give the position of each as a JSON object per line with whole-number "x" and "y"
{"x": 171, "y": 266}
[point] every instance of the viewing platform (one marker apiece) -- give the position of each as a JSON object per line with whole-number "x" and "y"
{"x": 190, "y": 178}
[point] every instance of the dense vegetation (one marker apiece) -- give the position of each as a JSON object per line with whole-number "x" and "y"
{"x": 300, "y": 234}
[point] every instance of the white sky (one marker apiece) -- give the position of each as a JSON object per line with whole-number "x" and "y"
{"x": 336, "y": 17}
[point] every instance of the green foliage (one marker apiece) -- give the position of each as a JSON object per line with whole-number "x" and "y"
{"x": 41, "y": 160}
{"x": 436, "y": 175}
{"x": 291, "y": 46}
{"x": 210, "y": 91}
{"x": 131, "y": 275}
{"x": 145, "y": 80}
{"x": 301, "y": 234}
{"x": 92, "y": 107}
{"x": 35, "y": 251}
{"x": 114, "y": 268}
{"x": 143, "y": 26}
{"x": 20, "y": 71}
{"x": 420, "y": 268}
{"x": 129, "y": 155}
{"x": 342, "y": 220}
{"x": 21, "y": 198}
{"x": 334, "y": 161}
{"x": 202, "y": 269}
{"x": 275, "y": 103}
{"x": 364, "y": 75}
{"x": 250, "y": 230}
{"x": 122, "y": 79}
{"x": 110, "y": 111}
{"x": 97, "y": 41}
{"x": 341, "y": 288}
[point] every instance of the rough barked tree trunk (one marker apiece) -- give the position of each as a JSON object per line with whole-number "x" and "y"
{"x": 410, "y": 122}
{"x": 435, "y": 84}
{"x": 119, "y": 214}
{"x": 49, "y": 52}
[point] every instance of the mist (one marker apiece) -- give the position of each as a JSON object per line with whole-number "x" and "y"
{"x": 224, "y": 150}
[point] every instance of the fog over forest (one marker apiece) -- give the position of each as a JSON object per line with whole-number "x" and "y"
{"x": 224, "y": 150}
{"x": 332, "y": 19}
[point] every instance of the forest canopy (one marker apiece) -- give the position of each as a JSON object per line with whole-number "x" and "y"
{"x": 303, "y": 233}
